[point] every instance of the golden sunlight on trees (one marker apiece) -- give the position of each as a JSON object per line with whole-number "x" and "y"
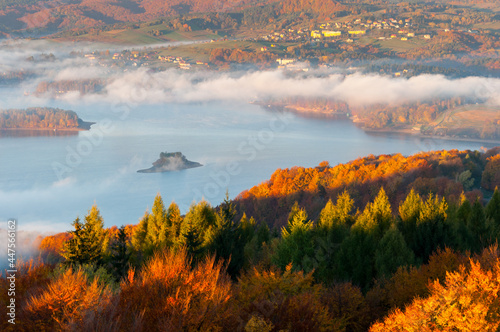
{"x": 167, "y": 295}
{"x": 468, "y": 300}
{"x": 66, "y": 302}
{"x": 283, "y": 300}
{"x": 398, "y": 259}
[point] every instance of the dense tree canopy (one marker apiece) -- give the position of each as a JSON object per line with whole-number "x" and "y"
{"x": 402, "y": 263}
{"x": 38, "y": 118}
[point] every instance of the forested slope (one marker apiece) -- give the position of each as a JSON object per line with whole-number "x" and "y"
{"x": 445, "y": 173}
{"x": 387, "y": 257}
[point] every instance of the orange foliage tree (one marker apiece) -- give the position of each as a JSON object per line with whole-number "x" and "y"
{"x": 51, "y": 247}
{"x": 31, "y": 278}
{"x": 168, "y": 295}
{"x": 65, "y": 302}
{"x": 282, "y": 301}
{"x": 468, "y": 300}
{"x": 491, "y": 174}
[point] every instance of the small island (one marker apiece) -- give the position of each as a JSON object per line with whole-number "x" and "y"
{"x": 168, "y": 162}
{"x": 42, "y": 118}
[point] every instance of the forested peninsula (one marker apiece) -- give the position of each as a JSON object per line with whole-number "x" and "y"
{"x": 42, "y": 118}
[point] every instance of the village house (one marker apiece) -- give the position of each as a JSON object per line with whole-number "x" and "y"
{"x": 315, "y": 34}
{"x": 284, "y": 62}
{"x": 330, "y": 33}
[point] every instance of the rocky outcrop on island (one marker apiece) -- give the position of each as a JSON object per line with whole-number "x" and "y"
{"x": 168, "y": 162}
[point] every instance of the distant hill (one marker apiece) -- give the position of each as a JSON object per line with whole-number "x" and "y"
{"x": 61, "y": 15}
{"x": 54, "y": 16}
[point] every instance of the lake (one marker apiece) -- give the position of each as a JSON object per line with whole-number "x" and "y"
{"x": 47, "y": 181}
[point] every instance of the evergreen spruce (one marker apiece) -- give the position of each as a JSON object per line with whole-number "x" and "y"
{"x": 477, "y": 228}
{"x": 228, "y": 242}
{"x": 431, "y": 232}
{"x": 296, "y": 245}
{"x": 377, "y": 216}
{"x": 392, "y": 252}
{"x": 86, "y": 246}
{"x": 493, "y": 213}
{"x": 157, "y": 225}
{"x": 174, "y": 221}
{"x": 409, "y": 212}
{"x": 193, "y": 242}
{"x": 120, "y": 254}
{"x": 462, "y": 237}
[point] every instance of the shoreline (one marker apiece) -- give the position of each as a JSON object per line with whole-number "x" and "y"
{"x": 410, "y": 132}
{"x": 43, "y": 129}
{"x": 312, "y": 113}
{"x": 83, "y": 126}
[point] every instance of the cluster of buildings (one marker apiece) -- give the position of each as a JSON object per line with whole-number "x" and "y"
{"x": 138, "y": 59}
{"x": 183, "y": 64}
{"x": 289, "y": 35}
{"x": 350, "y": 29}
{"x": 399, "y": 28}
{"x": 358, "y": 27}
{"x": 133, "y": 58}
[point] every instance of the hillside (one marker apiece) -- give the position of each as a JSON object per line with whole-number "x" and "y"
{"x": 54, "y": 16}
{"x": 391, "y": 263}
{"x": 445, "y": 173}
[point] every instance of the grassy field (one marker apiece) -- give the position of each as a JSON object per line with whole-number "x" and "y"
{"x": 472, "y": 116}
{"x": 398, "y": 45}
{"x": 492, "y": 26}
{"x": 141, "y": 36}
{"x": 201, "y": 51}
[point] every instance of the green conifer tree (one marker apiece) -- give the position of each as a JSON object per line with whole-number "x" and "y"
{"x": 140, "y": 233}
{"x": 157, "y": 225}
{"x": 432, "y": 229}
{"x": 462, "y": 234}
{"x": 343, "y": 208}
{"x": 296, "y": 245}
{"x": 392, "y": 252}
{"x": 193, "y": 242}
{"x": 332, "y": 229}
{"x": 493, "y": 213}
{"x": 409, "y": 212}
{"x": 327, "y": 216}
{"x": 477, "y": 228}
{"x": 203, "y": 218}
{"x": 120, "y": 254}
{"x": 355, "y": 259}
{"x": 377, "y": 216}
{"x": 74, "y": 250}
{"x": 228, "y": 242}
{"x": 86, "y": 246}
{"x": 174, "y": 220}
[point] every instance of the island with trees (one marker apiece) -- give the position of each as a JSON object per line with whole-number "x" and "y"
{"x": 168, "y": 162}
{"x": 42, "y": 118}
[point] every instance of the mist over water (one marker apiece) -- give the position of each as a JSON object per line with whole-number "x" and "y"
{"x": 45, "y": 185}
{"x": 137, "y": 86}
{"x": 47, "y": 181}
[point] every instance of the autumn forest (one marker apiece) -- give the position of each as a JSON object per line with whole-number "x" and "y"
{"x": 392, "y": 242}
{"x": 380, "y": 243}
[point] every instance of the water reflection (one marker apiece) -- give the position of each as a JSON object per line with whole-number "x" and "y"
{"x": 36, "y": 132}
